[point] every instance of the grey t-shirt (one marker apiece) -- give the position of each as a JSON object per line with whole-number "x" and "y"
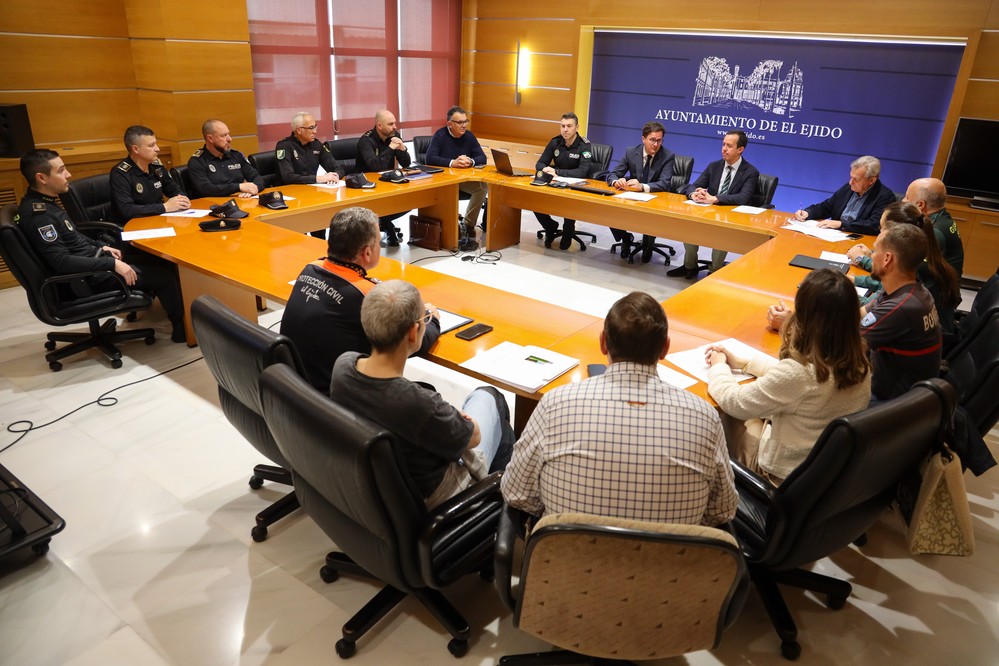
{"x": 432, "y": 434}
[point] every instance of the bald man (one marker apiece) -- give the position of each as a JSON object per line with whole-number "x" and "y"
{"x": 380, "y": 149}
{"x": 930, "y": 195}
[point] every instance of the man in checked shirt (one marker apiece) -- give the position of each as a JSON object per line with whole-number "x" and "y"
{"x": 625, "y": 444}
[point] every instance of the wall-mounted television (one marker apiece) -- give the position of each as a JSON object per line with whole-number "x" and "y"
{"x": 971, "y": 166}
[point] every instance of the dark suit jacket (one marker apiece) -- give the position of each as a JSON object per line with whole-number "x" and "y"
{"x": 868, "y": 219}
{"x": 660, "y": 171}
{"x": 740, "y": 192}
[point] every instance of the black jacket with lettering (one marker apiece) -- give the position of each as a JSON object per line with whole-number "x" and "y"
{"x": 50, "y": 231}
{"x": 220, "y": 176}
{"x": 298, "y": 163}
{"x": 137, "y": 193}
{"x": 570, "y": 161}
{"x": 374, "y": 154}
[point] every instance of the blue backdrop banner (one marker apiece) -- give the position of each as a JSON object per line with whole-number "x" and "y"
{"x": 809, "y": 106}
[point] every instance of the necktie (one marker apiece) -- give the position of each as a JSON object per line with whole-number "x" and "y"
{"x": 645, "y": 169}
{"x": 728, "y": 180}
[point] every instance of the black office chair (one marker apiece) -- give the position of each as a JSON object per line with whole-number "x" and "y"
{"x": 683, "y": 167}
{"x": 986, "y": 300}
{"x": 265, "y": 163}
{"x": 600, "y": 159}
{"x": 183, "y": 178}
{"x": 351, "y": 479}
{"x": 344, "y": 151}
{"x": 88, "y": 199}
{"x": 617, "y": 589}
{"x": 60, "y": 300}
{"x": 973, "y": 369}
{"x": 765, "y": 189}
{"x": 420, "y": 145}
{"x": 833, "y": 497}
{"x": 237, "y": 351}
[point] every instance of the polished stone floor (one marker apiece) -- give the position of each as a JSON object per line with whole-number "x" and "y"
{"x": 156, "y": 565}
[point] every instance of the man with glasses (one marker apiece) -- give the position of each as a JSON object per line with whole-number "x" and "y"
{"x": 455, "y": 147}
{"x": 323, "y": 315}
{"x": 445, "y": 449}
{"x": 301, "y": 154}
{"x": 650, "y": 166}
{"x": 857, "y": 206}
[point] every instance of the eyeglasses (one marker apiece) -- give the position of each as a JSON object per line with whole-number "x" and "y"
{"x": 427, "y": 316}
{"x": 651, "y": 140}
{"x": 459, "y": 122}
{"x": 311, "y": 128}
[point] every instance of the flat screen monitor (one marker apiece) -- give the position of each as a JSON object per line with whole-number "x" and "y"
{"x": 971, "y": 167}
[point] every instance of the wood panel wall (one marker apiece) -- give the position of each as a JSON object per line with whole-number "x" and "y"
{"x": 490, "y": 31}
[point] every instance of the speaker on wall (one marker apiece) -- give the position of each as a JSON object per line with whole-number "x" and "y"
{"x": 15, "y": 130}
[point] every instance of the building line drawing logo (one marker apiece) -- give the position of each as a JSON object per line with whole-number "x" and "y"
{"x": 719, "y": 85}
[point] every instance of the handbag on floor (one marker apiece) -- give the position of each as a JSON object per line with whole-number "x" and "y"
{"x": 934, "y": 507}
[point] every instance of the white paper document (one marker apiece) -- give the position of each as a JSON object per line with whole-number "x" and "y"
{"x": 164, "y": 232}
{"x": 811, "y": 228}
{"x": 696, "y": 203}
{"x": 635, "y": 196}
{"x": 692, "y": 361}
{"x": 525, "y": 367}
{"x": 835, "y": 256}
{"x": 674, "y": 378}
{"x": 451, "y": 321}
{"x": 329, "y": 186}
{"x": 568, "y": 179}
{"x": 190, "y": 212}
{"x": 752, "y": 210}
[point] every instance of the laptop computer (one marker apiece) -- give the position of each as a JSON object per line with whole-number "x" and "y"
{"x": 502, "y": 162}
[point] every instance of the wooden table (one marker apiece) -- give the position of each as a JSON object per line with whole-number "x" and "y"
{"x": 267, "y": 253}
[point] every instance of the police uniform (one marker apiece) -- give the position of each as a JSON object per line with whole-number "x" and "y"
{"x": 137, "y": 193}
{"x": 298, "y": 163}
{"x": 65, "y": 250}
{"x": 213, "y": 176}
{"x": 571, "y": 161}
{"x": 374, "y": 154}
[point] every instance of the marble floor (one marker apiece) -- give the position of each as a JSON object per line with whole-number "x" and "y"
{"x": 156, "y": 565}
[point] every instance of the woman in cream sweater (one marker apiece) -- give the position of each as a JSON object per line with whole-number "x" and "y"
{"x": 823, "y": 373}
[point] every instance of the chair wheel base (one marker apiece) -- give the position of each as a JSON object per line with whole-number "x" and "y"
{"x": 457, "y": 648}
{"x": 40, "y": 548}
{"x": 256, "y": 482}
{"x": 790, "y": 650}
{"x": 259, "y": 534}
{"x": 345, "y": 649}
{"x": 50, "y": 345}
{"x": 835, "y": 602}
{"x": 328, "y": 574}
{"x": 55, "y": 366}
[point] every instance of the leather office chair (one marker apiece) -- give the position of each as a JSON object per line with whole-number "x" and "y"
{"x": 620, "y": 589}
{"x": 683, "y": 168}
{"x": 973, "y": 369}
{"x": 265, "y": 163}
{"x": 420, "y": 145}
{"x": 601, "y": 156}
{"x": 986, "y": 300}
{"x": 344, "y": 151}
{"x": 183, "y": 178}
{"x": 765, "y": 190}
{"x": 88, "y": 199}
{"x": 60, "y": 300}
{"x": 351, "y": 479}
{"x": 237, "y": 351}
{"x": 833, "y": 497}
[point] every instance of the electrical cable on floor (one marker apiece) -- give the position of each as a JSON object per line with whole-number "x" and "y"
{"x": 103, "y": 401}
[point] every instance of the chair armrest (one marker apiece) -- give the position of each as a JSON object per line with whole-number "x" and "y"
{"x": 101, "y": 230}
{"x": 752, "y": 483}
{"x": 506, "y": 540}
{"x": 461, "y": 503}
{"x": 53, "y": 282}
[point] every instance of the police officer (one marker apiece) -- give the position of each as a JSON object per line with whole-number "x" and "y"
{"x": 218, "y": 171}
{"x": 300, "y": 155}
{"x": 379, "y": 149}
{"x": 65, "y": 250}
{"x": 571, "y": 155}
{"x": 140, "y": 182}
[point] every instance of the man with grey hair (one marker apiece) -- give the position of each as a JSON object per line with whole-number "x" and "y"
{"x": 445, "y": 449}
{"x": 216, "y": 170}
{"x": 300, "y": 155}
{"x": 323, "y": 315}
{"x": 930, "y": 196}
{"x": 857, "y": 206}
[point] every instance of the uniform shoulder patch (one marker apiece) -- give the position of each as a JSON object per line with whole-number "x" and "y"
{"x": 868, "y": 319}
{"x": 48, "y": 233}
{"x": 583, "y": 139}
{"x": 123, "y": 166}
{"x": 198, "y": 152}
{"x": 37, "y": 207}
{"x": 280, "y": 153}
{"x": 587, "y": 154}
{"x": 157, "y": 162}
{"x": 368, "y": 133}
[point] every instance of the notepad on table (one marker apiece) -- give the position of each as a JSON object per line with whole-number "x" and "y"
{"x": 526, "y": 367}
{"x": 692, "y": 361}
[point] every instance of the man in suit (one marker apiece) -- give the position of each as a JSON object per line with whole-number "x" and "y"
{"x": 730, "y": 181}
{"x": 650, "y": 166}
{"x": 857, "y": 206}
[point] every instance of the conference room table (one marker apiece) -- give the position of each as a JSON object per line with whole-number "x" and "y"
{"x": 264, "y": 256}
